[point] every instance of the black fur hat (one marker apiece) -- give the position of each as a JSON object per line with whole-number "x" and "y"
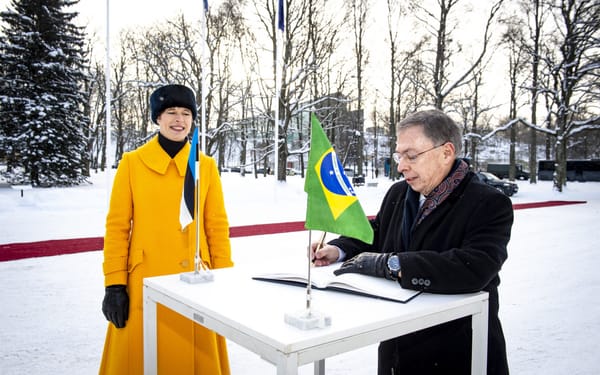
{"x": 172, "y": 96}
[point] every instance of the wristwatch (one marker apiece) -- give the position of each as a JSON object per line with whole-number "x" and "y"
{"x": 393, "y": 265}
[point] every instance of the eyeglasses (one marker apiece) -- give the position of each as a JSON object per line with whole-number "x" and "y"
{"x": 412, "y": 158}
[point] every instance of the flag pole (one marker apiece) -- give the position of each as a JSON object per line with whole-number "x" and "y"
{"x": 280, "y": 26}
{"x": 107, "y": 106}
{"x": 197, "y": 259}
{"x": 203, "y": 74}
{"x": 201, "y": 273}
{"x": 309, "y": 319}
{"x": 310, "y": 261}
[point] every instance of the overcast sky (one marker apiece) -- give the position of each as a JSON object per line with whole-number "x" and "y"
{"x": 129, "y": 14}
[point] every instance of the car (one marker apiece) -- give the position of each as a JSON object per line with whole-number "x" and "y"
{"x": 502, "y": 170}
{"x": 358, "y": 180}
{"x": 507, "y": 187}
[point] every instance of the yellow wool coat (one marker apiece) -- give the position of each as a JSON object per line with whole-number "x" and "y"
{"x": 144, "y": 238}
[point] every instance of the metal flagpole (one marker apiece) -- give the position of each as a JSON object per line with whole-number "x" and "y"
{"x": 203, "y": 92}
{"x": 107, "y": 106}
{"x": 201, "y": 273}
{"x": 279, "y": 16}
{"x": 309, "y": 318}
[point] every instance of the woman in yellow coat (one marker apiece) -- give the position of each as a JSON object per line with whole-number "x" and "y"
{"x": 144, "y": 238}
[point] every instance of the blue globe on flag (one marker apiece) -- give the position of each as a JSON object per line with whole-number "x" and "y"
{"x": 336, "y": 186}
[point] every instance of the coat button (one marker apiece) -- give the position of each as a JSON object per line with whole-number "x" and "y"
{"x": 414, "y": 281}
{"x": 184, "y": 263}
{"x": 427, "y": 282}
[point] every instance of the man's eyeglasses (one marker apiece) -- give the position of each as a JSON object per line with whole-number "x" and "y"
{"x": 412, "y": 158}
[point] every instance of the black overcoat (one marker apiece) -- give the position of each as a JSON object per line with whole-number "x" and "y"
{"x": 458, "y": 248}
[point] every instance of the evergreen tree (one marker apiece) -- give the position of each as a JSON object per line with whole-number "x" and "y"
{"x": 42, "y": 71}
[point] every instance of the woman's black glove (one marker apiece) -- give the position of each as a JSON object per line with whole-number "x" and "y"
{"x": 116, "y": 305}
{"x": 372, "y": 264}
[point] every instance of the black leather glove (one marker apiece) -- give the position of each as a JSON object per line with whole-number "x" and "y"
{"x": 372, "y": 264}
{"x": 116, "y": 305}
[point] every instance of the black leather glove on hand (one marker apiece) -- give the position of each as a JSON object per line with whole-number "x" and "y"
{"x": 116, "y": 305}
{"x": 372, "y": 264}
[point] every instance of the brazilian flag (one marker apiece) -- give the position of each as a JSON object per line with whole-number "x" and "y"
{"x": 332, "y": 205}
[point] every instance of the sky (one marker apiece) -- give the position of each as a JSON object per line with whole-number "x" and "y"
{"x": 52, "y": 322}
{"x": 131, "y": 14}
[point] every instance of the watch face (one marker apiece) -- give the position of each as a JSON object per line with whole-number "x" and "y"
{"x": 394, "y": 263}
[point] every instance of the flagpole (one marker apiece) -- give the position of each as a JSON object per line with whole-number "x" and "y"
{"x": 203, "y": 74}
{"x": 309, "y": 319}
{"x": 197, "y": 259}
{"x": 280, "y": 25}
{"x": 201, "y": 273}
{"x": 308, "y": 278}
{"x": 310, "y": 261}
{"x": 107, "y": 106}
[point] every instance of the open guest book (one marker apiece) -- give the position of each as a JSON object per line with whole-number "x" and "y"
{"x": 324, "y": 278}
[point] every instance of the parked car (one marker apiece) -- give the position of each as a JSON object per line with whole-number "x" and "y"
{"x": 507, "y": 187}
{"x": 358, "y": 180}
{"x": 501, "y": 171}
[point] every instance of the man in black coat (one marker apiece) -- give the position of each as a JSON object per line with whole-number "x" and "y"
{"x": 439, "y": 230}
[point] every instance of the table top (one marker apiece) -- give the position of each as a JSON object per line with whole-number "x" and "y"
{"x": 257, "y": 308}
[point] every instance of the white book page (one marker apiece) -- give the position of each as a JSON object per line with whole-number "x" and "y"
{"x": 323, "y": 277}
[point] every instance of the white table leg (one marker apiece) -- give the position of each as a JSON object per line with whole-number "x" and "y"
{"x": 288, "y": 365}
{"x": 150, "y": 356}
{"x": 479, "y": 324}
{"x": 319, "y": 367}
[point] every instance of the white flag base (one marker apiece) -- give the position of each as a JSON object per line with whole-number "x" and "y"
{"x": 197, "y": 277}
{"x": 307, "y": 319}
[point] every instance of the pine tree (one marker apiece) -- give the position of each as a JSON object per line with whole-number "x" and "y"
{"x": 42, "y": 71}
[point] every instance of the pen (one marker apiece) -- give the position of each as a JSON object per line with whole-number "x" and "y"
{"x": 319, "y": 245}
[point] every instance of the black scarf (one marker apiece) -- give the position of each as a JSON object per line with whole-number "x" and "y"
{"x": 170, "y": 147}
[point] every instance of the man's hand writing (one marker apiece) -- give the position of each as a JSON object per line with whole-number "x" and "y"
{"x": 323, "y": 256}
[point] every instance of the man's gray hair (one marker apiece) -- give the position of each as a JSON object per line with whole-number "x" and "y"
{"x": 437, "y": 126}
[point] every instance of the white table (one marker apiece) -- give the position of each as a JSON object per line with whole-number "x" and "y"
{"x": 251, "y": 313}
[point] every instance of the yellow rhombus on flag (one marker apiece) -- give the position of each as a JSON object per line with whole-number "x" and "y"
{"x": 332, "y": 205}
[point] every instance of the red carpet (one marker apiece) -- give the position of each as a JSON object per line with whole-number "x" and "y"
{"x": 21, "y": 250}
{"x": 520, "y": 206}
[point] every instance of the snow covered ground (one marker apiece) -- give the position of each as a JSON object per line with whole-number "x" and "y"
{"x": 50, "y": 315}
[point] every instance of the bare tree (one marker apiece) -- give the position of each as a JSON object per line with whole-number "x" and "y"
{"x": 303, "y": 54}
{"x": 327, "y": 76}
{"x": 394, "y": 14}
{"x": 97, "y": 141}
{"x": 512, "y": 39}
{"x": 574, "y": 72}
{"x": 292, "y": 55}
{"x": 473, "y": 114}
{"x": 358, "y": 11}
{"x": 409, "y": 80}
{"x": 441, "y": 28}
{"x": 227, "y": 34}
{"x": 535, "y": 17}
